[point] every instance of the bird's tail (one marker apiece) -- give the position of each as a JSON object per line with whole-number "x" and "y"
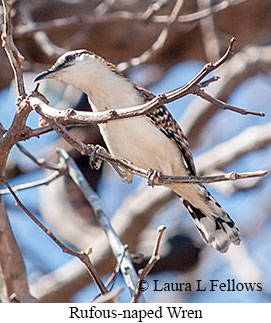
{"x": 214, "y": 225}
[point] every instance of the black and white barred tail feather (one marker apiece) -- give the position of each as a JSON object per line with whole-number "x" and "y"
{"x": 214, "y": 225}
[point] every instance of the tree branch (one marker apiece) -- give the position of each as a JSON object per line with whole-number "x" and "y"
{"x": 161, "y": 179}
{"x": 14, "y": 56}
{"x": 222, "y": 105}
{"x": 54, "y": 24}
{"x": 157, "y": 45}
{"x": 153, "y": 260}
{"x": 41, "y": 162}
{"x": 17, "y": 129}
{"x": 211, "y": 43}
{"x": 45, "y": 181}
{"x": 245, "y": 64}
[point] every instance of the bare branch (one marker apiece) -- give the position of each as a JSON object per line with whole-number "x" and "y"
{"x": 53, "y": 24}
{"x": 157, "y": 45}
{"x": 153, "y": 260}
{"x": 109, "y": 297}
{"x": 112, "y": 278}
{"x": 103, "y": 7}
{"x": 15, "y": 57}
{"x": 233, "y": 176}
{"x": 201, "y": 14}
{"x": 222, "y": 105}
{"x": 17, "y": 129}
{"x": 211, "y": 42}
{"x": 40, "y": 37}
{"x": 162, "y": 179}
{"x": 41, "y": 162}
{"x": 45, "y": 181}
{"x": 37, "y": 132}
{"x": 243, "y": 65}
{"x": 231, "y": 187}
{"x": 154, "y": 8}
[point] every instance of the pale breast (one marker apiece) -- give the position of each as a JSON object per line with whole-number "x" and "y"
{"x": 136, "y": 139}
{"x": 139, "y": 141}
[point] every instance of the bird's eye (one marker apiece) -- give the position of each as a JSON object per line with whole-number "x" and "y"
{"x": 69, "y": 58}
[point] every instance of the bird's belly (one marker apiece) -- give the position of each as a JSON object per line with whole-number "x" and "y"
{"x": 139, "y": 141}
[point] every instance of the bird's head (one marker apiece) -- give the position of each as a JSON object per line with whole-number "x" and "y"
{"x": 70, "y": 67}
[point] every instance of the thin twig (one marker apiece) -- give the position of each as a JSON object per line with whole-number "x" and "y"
{"x": 45, "y": 181}
{"x": 40, "y": 131}
{"x": 17, "y": 128}
{"x": 40, "y": 37}
{"x": 59, "y": 170}
{"x": 165, "y": 179}
{"x": 222, "y": 105}
{"x": 157, "y": 45}
{"x": 109, "y": 297}
{"x": 154, "y": 8}
{"x": 211, "y": 43}
{"x": 41, "y": 162}
{"x": 15, "y": 57}
{"x": 153, "y": 260}
{"x": 112, "y": 278}
{"x": 54, "y": 24}
{"x": 82, "y": 256}
{"x": 103, "y": 7}
{"x": 232, "y": 176}
{"x": 253, "y": 58}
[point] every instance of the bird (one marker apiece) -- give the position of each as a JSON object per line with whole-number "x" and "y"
{"x": 150, "y": 141}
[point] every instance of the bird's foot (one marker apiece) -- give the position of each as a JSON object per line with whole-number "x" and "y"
{"x": 127, "y": 178}
{"x": 94, "y": 161}
{"x": 153, "y": 175}
{"x": 124, "y": 174}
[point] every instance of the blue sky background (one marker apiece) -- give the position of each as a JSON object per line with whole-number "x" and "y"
{"x": 42, "y": 256}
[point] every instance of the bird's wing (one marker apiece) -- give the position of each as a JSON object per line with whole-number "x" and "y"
{"x": 165, "y": 122}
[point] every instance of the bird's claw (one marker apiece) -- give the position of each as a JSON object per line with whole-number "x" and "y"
{"x": 127, "y": 178}
{"x": 94, "y": 161}
{"x": 124, "y": 174}
{"x": 152, "y": 175}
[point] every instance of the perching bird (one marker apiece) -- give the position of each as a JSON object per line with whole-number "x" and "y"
{"x": 151, "y": 141}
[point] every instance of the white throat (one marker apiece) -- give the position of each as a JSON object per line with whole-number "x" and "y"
{"x": 104, "y": 88}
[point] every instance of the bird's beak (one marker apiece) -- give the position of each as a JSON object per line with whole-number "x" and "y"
{"x": 45, "y": 75}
